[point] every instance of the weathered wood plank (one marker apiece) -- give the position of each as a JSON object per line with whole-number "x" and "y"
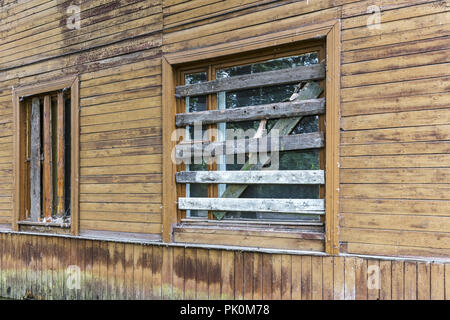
{"x": 35, "y": 161}
{"x": 305, "y": 206}
{"x": 410, "y": 281}
{"x": 360, "y": 279}
{"x": 47, "y": 170}
{"x": 253, "y": 177}
{"x": 265, "y": 144}
{"x": 437, "y": 281}
{"x": 398, "y": 275}
{"x": 60, "y": 155}
{"x": 297, "y": 108}
{"x": 262, "y": 79}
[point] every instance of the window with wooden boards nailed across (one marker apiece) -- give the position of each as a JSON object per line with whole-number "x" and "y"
{"x": 250, "y": 151}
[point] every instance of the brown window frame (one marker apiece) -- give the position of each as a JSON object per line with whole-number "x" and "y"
{"x": 19, "y": 164}
{"x": 330, "y": 32}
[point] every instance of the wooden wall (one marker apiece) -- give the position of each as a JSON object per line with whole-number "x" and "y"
{"x": 111, "y": 270}
{"x": 117, "y": 53}
{"x": 395, "y": 133}
{"x": 395, "y": 125}
{"x": 395, "y": 160}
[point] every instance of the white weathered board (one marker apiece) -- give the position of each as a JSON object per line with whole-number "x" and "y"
{"x": 285, "y": 143}
{"x": 303, "y": 206}
{"x": 253, "y": 177}
{"x": 35, "y": 161}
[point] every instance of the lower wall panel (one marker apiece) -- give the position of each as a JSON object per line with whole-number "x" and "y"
{"x": 45, "y": 267}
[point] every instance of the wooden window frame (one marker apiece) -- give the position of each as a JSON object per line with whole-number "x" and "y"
{"x": 71, "y": 82}
{"x": 330, "y": 32}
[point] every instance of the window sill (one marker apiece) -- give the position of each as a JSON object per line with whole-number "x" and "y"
{"x": 44, "y": 227}
{"x": 310, "y": 237}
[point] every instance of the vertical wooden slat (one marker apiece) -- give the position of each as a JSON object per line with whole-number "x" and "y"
{"x": 423, "y": 281}
{"x": 129, "y": 272}
{"x": 75, "y": 157}
{"x": 178, "y": 273}
{"x": 239, "y": 275}
{"x": 202, "y": 274}
{"x": 286, "y": 277}
{"x": 147, "y": 272}
{"x": 339, "y": 278}
{"x": 45, "y": 268}
{"x": 89, "y": 261}
{"x": 257, "y": 276}
{"x": 410, "y": 280}
{"x": 248, "y": 275}
{"x": 373, "y": 279}
{"x": 317, "y": 278}
{"x": 190, "y": 257}
{"x": 8, "y": 265}
{"x": 111, "y": 291}
{"x": 227, "y": 274}
{"x": 267, "y": 277}
{"x": 13, "y": 269}
{"x": 81, "y": 253}
{"x": 276, "y": 276}
{"x": 296, "y": 278}
{"x": 138, "y": 288}
{"x": 447, "y": 281}
{"x": 361, "y": 279}
{"x": 397, "y": 280}
{"x": 120, "y": 271}
{"x": 35, "y": 161}
{"x": 39, "y": 281}
{"x": 437, "y": 282}
{"x": 306, "y": 278}
{"x": 104, "y": 270}
{"x": 47, "y": 168}
{"x": 157, "y": 261}
{"x": 66, "y": 262}
{"x": 332, "y": 138}
{"x": 26, "y": 265}
{"x": 214, "y": 274}
{"x": 60, "y": 155}
{"x": 167, "y": 272}
{"x": 52, "y": 261}
{"x": 350, "y": 279}
{"x": 385, "y": 280}
{"x": 32, "y": 264}
{"x": 170, "y": 211}
{"x": 2, "y": 267}
{"x": 328, "y": 278}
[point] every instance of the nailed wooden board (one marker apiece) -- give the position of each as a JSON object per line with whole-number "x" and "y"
{"x": 253, "y": 177}
{"x": 285, "y": 143}
{"x": 306, "y": 206}
{"x": 35, "y": 162}
{"x": 262, "y": 79}
{"x": 296, "y": 108}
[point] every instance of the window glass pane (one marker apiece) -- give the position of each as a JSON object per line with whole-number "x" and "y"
{"x": 288, "y": 160}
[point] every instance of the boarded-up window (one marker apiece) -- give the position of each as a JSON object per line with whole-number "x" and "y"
{"x": 252, "y": 152}
{"x": 48, "y": 154}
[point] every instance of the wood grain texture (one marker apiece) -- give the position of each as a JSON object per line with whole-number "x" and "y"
{"x": 294, "y": 108}
{"x": 256, "y": 80}
{"x": 35, "y": 161}
{"x": 47, "y": 171}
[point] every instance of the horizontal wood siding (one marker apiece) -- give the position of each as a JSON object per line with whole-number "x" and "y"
{"x": 394, "y": 146}
{"x": 38, "y": 267}
{"x": 395, "y": 127}
{"x": 117, "y": 54}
